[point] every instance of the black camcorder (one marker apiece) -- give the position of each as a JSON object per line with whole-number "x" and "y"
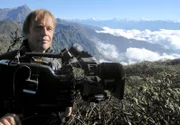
{"x": 37, "y": 88}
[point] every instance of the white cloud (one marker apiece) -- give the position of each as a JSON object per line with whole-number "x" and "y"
{"x": 167, "y": 38}
{"x": 131, "y": 56}
{"x": 175, "y": 41}
{"x": 141, "y": 54}
{"x": 135, "y": 55}
{"x": 107, "y": 50}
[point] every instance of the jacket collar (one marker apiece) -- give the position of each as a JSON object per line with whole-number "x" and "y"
{"x": 25, "y": 48}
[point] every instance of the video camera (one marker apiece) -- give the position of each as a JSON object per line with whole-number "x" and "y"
{"x": 36, "y": 87}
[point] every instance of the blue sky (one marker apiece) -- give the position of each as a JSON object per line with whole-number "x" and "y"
{"x": 104, "y": 9}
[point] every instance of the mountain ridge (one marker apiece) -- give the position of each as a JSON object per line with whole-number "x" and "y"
{"x": 17, "y": 13}
{"x": 131, "y": 24}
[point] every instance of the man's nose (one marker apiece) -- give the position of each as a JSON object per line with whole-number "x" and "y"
{"x": 44, "y": 31}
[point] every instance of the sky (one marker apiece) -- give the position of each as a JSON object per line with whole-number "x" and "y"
{"x": 104, "y": 9}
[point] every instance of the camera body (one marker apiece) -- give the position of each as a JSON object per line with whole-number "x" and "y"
{"x": 38, "y": 88}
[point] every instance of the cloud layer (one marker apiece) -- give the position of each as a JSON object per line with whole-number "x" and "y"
{"x": 168, "y": 38}
{"x": 134, "y": 55}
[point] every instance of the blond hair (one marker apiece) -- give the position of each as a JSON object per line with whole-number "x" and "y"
{"x": 37, "y": 15}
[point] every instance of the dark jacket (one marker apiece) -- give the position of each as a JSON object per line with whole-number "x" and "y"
{"x": 54, "y": 63}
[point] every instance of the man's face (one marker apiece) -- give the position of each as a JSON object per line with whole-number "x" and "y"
{"x": 40, "y": 35}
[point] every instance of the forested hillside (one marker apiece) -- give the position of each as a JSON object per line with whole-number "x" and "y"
{"x": 10, "y": 32}
{"x": 152, "y": 96}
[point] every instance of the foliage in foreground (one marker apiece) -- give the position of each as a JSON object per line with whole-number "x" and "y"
{"x": 152, "y": 97}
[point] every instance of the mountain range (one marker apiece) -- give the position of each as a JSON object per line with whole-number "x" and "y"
{"x": 129, "y": 24}
{"x": 76, "y": 31}
{"x": 18, "y": 13}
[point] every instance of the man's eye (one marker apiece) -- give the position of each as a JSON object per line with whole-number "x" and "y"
{"x": 50, "y": 29}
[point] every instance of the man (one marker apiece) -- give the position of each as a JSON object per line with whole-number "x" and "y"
{"x": 38, "y": 29}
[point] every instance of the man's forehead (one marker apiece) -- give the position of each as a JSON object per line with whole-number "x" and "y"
{"x": 44, "y": 21}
